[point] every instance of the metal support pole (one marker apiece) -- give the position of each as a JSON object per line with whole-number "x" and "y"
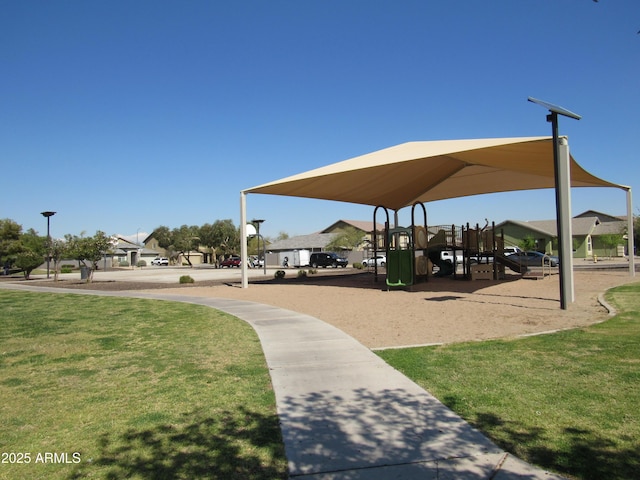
{"x": 630, "y": 232}
{"x": 256, "y": 223}
{"x": 48, "y": 245}
{"x": 563, "y": 217}
{"x": 562, "y": 172}
{"x": 243, "y": 240}
{"x": 48, "y": 216}
{"x": 264, "y": 256}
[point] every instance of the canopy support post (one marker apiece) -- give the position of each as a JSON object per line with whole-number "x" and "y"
{"x": 243, "y": 240}
{"x": 630, "y": 232}
{"x": 563, "y": 217}
{"x": 562, "y": 173}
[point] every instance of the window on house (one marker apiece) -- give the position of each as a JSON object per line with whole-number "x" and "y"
{"x": 589, "y": 245}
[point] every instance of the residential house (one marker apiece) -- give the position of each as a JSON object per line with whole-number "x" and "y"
{"x": 315, "y": 242}
{"x": 196, "y": 257}
{"x": 365, "y": 227}
{"x": 588, "y": 230}
{"x": 126, "y": 253}
{"x": 152, "y": 243}
{"x": 318, "y": 242}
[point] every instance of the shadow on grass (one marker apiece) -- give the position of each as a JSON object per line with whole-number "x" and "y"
{"x": 585, "y": 453}
{"x": 238, "y": 445}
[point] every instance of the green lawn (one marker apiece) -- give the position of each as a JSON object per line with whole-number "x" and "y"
{"x": 99, "y": 387}
{"x": 569, "y": 401}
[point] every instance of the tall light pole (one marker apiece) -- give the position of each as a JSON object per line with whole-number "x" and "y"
{"x": 561, "y": 165}
{"x": 264, "y": 256}
{"x": 48, "y": 216}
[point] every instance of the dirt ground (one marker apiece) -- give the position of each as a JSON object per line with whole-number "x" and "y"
{"x": 438, "y": 311}
{"x": 441, "y": 311}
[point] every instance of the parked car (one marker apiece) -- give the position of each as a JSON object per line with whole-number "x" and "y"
{"x": 233, "y": 261}
{"x": 160, "y": 261}
{"x": 380, "y": 260}
{"x": 534, "y": 259}
{"x": 327, "y": 259}
{"x": 255, "y": 262}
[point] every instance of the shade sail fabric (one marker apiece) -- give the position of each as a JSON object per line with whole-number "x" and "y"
{"x": 401, "y": 175}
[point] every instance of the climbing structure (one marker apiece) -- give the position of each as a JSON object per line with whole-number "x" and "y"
{"x": 406, "y": 249}
{"x": 416, "y": 252}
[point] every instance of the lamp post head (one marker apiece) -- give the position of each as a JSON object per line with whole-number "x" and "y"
{"x": 555, "y": 108}
{"x": 257, "y": 223}
{"x": 48, "y": 214}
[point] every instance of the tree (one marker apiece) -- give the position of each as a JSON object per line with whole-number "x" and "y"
{"x": 58, "y": 251}
{"x": 207, "y": 239}
{"x": 222, "y": 237}
{"x": 164, "y": 237}
{"x": 528, "y": 243}
{"x": 185, "y": 239}
{"x": 178, "y": 241}
{"x": 29, "y": 252}
{"x": 346, "y": 238}
{"x": 10, "y": 232}
{"x": 610, "y": 241}
{"x": 254, "y": 245}
{"x": 636, "y": 231}
{"x": 282, "y": 235}
{"x": 25, "y": 251}
{"x": 226, "y": 236}
{"x": 88, "y": 250}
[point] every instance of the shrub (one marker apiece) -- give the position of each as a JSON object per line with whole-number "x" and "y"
{"x": 66, "y": 268}
{"x": 124, "y": 263}
{"x": 186, "y": 279}
{"x": 141, "y": 263}
{"x": 302, "y": 273}
{"x": 279, "y": 274}
{"x": 358, "y": 265}
{"x": 312, "y": 271}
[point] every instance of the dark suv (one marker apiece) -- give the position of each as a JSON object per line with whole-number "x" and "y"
{"x": 327, "y": 259}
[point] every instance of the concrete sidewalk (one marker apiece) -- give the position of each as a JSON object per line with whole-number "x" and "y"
{"x": 346, "y": 414}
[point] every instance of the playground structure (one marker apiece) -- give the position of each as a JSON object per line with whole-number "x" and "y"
{"x": 417, "y": 252}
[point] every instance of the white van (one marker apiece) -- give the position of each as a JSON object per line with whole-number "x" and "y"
{"x": 450, "y": 256}
{"x": 511, "y": 250}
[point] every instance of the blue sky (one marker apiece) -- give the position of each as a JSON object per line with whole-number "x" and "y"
{"x": 123, "y": 116}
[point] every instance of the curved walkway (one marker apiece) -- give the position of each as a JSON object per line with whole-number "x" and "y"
{"x": 345, "y": 413}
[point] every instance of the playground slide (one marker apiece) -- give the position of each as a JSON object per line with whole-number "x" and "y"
{"x": 445, "y": 266}
{"x": 507, "y": 262}
{"x": 399, "y": 268}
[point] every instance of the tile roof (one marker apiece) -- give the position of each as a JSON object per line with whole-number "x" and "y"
{"x": 363, "y": 225}
{"x": 311, "y": 241}
{"x": 579, "y": 226}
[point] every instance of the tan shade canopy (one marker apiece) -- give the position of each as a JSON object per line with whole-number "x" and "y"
{"x": 426, "y": 171}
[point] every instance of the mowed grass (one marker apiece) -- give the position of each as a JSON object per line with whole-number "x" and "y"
{"x": 569, "y": 402}
{"x": 106, "y": 387}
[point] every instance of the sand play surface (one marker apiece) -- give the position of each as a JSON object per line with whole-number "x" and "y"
{"x": 442, "y": 311}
